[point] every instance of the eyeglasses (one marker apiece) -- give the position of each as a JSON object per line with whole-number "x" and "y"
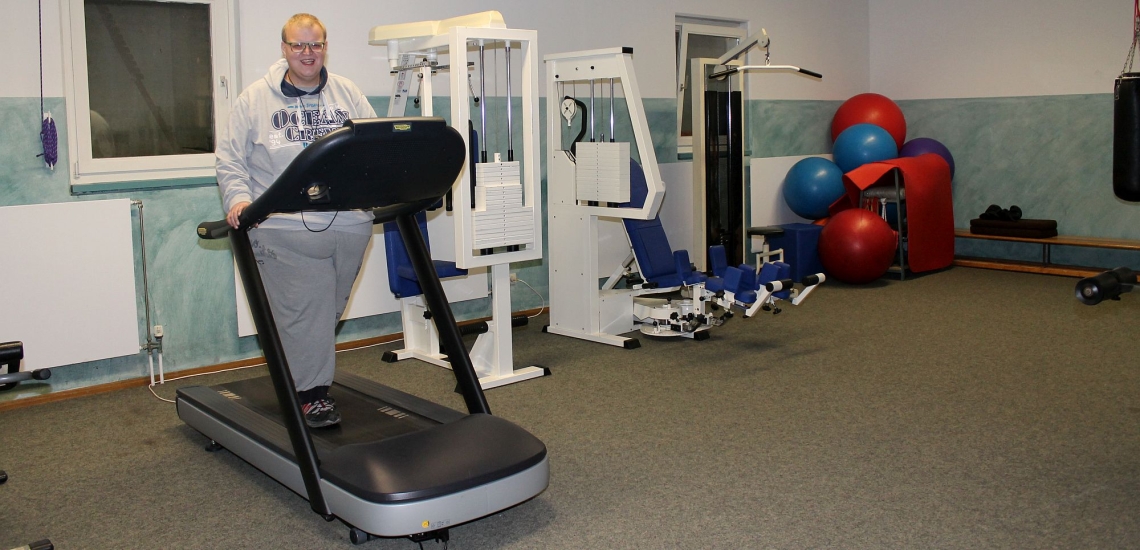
{"x": 298, "y": 47}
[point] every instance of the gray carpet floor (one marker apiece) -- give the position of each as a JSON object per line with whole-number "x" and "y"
{"x": 961, "y": 409}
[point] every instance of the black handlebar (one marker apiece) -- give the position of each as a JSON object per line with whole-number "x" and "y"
{"x": 214, "y": 230}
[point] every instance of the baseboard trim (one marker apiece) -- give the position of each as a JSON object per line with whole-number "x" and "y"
{"x": 208, "y": 369}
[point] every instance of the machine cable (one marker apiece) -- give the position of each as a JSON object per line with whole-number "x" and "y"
{"x": 1135, "y": 38}
{"x": 1126, "y": 122}
{"x": 582, "y": 130}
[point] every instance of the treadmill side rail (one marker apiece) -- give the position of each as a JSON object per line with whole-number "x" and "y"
{"x": 402, "y": 519}
{"x": 385, "y": 519}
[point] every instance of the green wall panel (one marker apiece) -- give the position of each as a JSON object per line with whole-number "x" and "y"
{"x": 1050, "y": 155}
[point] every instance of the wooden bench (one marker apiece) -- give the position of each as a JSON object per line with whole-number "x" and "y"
{"x": 1046, "y": 266}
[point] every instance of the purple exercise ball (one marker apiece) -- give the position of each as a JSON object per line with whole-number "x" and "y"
{"x": 921, "y": 146}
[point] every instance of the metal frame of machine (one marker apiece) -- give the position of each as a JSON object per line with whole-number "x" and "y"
{"x": 573, "y": 224}
{"x": 497, "y": 231}
{"x": 577, "y": 185}
{"x": 730, "y": 68}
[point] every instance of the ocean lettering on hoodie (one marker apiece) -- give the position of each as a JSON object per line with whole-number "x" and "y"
{"x": 307, "y": 125}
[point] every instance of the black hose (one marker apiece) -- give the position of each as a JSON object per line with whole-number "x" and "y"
{"x": 582, "y": 131}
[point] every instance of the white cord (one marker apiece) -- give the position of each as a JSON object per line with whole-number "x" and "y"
{"x": 543, "y": 308}
{"x": 373, "y": 345}
{"x": 151, "y": 386}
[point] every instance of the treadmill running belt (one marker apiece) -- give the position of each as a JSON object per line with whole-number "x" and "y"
{"x": 363, "y": 419}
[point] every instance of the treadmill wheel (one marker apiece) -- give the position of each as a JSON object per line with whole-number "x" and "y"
{"x": 358, "y": 536}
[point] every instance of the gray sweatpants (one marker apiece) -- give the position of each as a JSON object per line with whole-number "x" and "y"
{"x": 308, "y": 277}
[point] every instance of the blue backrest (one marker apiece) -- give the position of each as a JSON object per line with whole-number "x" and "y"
{"x": 402, "y": 280}
{"x": 684, "y": 268}
{"x": 650, "y": 244}
{"x": 741, "y": 281}
{"x": 397, "y": 256}
{"x": 718, "y": 260}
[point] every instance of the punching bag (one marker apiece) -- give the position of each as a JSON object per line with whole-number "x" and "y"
{"x": 1126, "y": 137}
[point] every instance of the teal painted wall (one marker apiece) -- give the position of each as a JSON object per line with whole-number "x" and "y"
{"x": 789, "y": 128}
{"x": 1050, "y": 155}
{"x": 191, "y": 281}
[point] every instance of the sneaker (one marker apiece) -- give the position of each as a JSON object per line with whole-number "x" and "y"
{"x": 320, "y": 413}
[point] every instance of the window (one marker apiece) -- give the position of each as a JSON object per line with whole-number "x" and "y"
{"x": 698, "y": 38}
{"x": 148, "y": 89}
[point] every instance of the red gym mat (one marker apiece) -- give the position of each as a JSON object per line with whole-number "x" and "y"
{"x": 929, "y": 205}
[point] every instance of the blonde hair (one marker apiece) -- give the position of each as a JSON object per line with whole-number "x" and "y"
{"x": 305, "y": 20}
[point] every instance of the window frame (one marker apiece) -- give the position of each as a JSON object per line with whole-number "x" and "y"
{"x": 89, "y": 174}
{"x": 730, "y": 29}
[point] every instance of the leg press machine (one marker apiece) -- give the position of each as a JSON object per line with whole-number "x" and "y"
{"x": 655, "y": 289}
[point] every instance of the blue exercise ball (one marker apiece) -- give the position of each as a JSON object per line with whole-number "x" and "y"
{"x": 811, "y": 186}
{"x": 922, "y": 146}
{"x": 863, "y": 143}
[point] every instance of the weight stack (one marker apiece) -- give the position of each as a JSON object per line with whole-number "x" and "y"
{"x": 1126, "y": 137}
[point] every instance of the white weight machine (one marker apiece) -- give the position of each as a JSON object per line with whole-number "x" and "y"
{"x": 494, "y": 204}
{"x": 719, "y": 148}
{"x": 598, "y": 179}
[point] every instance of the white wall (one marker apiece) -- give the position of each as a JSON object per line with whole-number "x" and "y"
{"x": 829, "y": 36}
{"x": 23, "y": 63}
{"x": 924, "y": 49}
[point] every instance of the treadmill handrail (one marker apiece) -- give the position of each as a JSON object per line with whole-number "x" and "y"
{"x": 421, "y": 159}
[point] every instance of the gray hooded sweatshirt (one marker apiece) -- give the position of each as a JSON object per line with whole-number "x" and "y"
{"x": 268, "y": 129}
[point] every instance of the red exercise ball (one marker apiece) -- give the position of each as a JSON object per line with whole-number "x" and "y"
{"x": 870, "y": 109}
{"x": 857, "y": 246}
{"x": 821, "y": 221}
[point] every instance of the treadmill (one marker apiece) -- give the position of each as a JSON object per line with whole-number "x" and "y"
{"x": 397, "y": 465}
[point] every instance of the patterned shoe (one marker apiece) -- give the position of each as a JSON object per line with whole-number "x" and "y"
{"x": 321, "y": 413}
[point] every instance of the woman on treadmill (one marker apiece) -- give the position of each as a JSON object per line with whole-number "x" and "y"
{"x": 309, "y": 260}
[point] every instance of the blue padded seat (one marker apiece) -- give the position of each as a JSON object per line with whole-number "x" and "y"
{"x": 741, "y": 280}
{"x": 718, "y": 264}
{"x": 745, "y": 283}
{"x": 685, "y": 268}
{"x": 651, "y": 248}
{"x": 655, "y": 257}
{"x": 401, "y": 277}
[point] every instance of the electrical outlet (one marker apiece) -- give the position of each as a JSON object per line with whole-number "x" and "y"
{"x": 514, "y": 277}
